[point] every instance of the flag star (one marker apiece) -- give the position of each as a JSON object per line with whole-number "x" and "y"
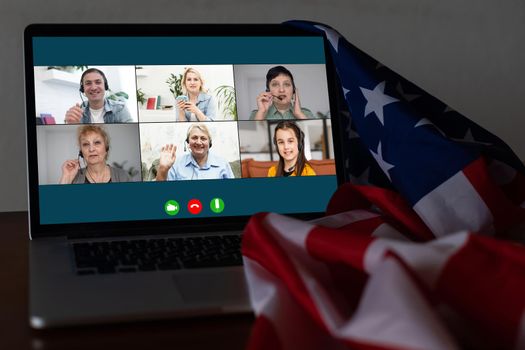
{"x": 469, "y": 138}
{"x": 345, "y": 91}
{"x": 331, "y": 35}
{"x": 408, "y": 97}
{"x": 376, "y": 100}
{"x": 425, "y": 121}
{"x": 347, "y": 115}
{"x": 385, "y": 166}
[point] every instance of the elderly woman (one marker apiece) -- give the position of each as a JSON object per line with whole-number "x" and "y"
{"x": 198, "y": 164}
{"x": 93, "y": 142}
{"x": 195, "y": 104}
{"x": 281, "y": 99}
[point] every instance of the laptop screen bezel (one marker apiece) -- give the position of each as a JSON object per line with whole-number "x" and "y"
{"x": 139, "y": 227}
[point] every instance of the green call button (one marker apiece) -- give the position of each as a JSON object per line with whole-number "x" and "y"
{"x": 217, "y": 205}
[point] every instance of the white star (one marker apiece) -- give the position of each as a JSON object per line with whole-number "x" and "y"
{"x": 425, "y": 121}
{"x": 376, "y": 100}
{"x": 345, "y": 91}
{"x": 469, "y": 138}
{"x": 381, "y": 162}
{"x": 331, "y": 35}
{"x": 408, "y": 97}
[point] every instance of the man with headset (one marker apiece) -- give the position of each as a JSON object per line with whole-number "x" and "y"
{"x": 198, "y": 164}
{"x": 97, "y": 109}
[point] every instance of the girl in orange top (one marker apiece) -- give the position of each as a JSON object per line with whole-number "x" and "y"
{"x": 289, "y": 140}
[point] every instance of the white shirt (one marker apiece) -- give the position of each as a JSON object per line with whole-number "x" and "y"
{"x": 97, "y": 115}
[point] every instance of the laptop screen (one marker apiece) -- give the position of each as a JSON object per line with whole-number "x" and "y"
{"x": 155, "y": 126}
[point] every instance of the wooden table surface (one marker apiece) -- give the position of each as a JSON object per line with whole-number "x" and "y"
{"x": 221, "y": 332}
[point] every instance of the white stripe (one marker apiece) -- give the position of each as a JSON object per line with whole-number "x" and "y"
{"x": 387, "y": 231}
{"x": 332, "y": 36}
{"x": 426, "y": 259}
{"x": 295, "y": 329}
{"x": 262, "y": 286}
{"x": 520, "y": 338}
{"x": 291, "y": 235}
{"x": 454, "y": 206}
{"x": 393, "y": 312}
{"x": 343, "y": 219}
{"x": 292, "y": 230}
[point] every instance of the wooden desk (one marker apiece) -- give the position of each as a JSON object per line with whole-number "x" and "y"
{"x": 225, "y": 332}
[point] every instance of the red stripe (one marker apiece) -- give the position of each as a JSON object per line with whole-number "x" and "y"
{"x": 505, "y": 213}
{"x": 394, "y": 208}
{"x": 264, "y": 335}
{"x": 485, "y": 283}
{"x": 515, "y": 190}
{"x": 345, "y": 245}
{"x": 343, "y": 251}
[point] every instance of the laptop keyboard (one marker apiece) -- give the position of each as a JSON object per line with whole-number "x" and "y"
{"x": 157, "y": 254}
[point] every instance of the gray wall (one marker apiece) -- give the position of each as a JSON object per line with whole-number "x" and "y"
{"x": 470, "y": 54}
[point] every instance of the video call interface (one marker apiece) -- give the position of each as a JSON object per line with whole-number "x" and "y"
{"x": 194, "y": 134}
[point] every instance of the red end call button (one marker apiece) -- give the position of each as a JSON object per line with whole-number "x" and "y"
{"x": 195, "y": 206}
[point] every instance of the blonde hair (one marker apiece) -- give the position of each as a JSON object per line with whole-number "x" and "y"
{"x": 196, "y": 72}
{"x": 86, "y": 129}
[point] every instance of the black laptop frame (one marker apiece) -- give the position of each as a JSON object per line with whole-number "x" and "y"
{"x": 160, "y": 226}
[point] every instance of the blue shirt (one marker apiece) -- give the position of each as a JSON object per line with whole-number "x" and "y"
{"x": 186, "y": 168}
{"x": 206, "y": 104}
{"x": 114, "y": 112}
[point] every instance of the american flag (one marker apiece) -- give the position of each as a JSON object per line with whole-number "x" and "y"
{"x": 419, "y": 250}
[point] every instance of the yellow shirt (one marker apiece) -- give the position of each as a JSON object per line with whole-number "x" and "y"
{"x": 307, "y": 171}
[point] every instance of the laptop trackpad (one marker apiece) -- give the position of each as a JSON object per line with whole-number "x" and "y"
{"x": 212, "y": 286}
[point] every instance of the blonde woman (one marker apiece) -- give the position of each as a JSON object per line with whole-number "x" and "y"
{"x": 195, "y": 104}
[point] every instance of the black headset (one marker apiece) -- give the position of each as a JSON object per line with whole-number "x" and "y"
{"x": 297, "y": 131}
{"x": 93, "y": 70}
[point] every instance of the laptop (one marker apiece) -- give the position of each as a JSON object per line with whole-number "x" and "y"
{"x": 150, "y": 146}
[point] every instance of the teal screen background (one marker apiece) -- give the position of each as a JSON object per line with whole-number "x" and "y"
{"x": 145, "y": 200}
